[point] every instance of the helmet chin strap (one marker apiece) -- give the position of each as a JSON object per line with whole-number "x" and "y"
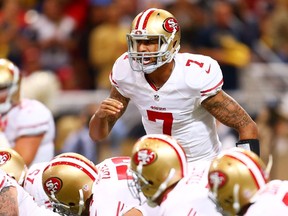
{"x": 236, "y": 204}
{"x": 164, "y": 184}
{"x": 81, "y": 202}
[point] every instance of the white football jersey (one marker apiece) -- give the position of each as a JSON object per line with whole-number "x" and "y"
{"x": 270, "y": 200}
{"x": 33, "y": 184}
{"x": 30, "y": 118}
{"x": 5, "y": 180}
{"x": 111, "y": 195}
{"x": 175, "y": 109}
{"x": 190, "y": 195}
{"x": 26, "y": 204}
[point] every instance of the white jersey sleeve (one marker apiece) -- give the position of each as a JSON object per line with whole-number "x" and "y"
{"x": 28, "y": 207}
{"x": 33, "y": 185}
{"x": 175, "y": 109}
{"x": 190, "y": 195}
{"x": 31, "y": 118}
{"x": 270, "y": 200}
{"x": 188, "y": 199}
{"x": 5, "y": 180}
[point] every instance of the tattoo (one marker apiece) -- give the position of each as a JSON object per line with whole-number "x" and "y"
{"x": 226, "y": 110}
{"x": 8, "y": 202}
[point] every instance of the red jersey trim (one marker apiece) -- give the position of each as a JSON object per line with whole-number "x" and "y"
{"x": 203, "y": 93}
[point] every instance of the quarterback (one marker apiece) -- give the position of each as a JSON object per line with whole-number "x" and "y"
{"x": 178, "y": 94}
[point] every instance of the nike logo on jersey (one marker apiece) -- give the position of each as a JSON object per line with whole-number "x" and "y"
{"x": 208, "y": 71}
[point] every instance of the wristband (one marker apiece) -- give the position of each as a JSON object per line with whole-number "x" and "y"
{"x": 250, "y": 144}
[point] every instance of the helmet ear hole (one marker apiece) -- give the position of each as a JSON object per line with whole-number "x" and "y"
{"x": 72, "y": 204}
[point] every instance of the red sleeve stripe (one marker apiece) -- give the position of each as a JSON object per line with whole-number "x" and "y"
{"x": 119, "y": 208}
{"x": 112, "y": 80}
{"x": 143, "y": 19}
{"x": 204, "y": 92}
{"x": 2, "y": 182}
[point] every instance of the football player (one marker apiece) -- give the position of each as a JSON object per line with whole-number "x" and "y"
{"x": 112, "y": 185}
{"x": 16, "y": 201}
{"x": 33, "y": 184}
{"x": 27, "y": 124}
{"x": 239, "y": 184}
{"x": 13, "y": 164}
{"x": 159, "y": 169}
{"x": 67, "y": 181}
{"x": 177, "y": 94}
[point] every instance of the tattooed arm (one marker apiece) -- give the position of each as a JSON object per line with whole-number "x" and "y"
{"x": 8, "y": 201}
{"x": 226, "y": 110}
{"x": 109, "y": 111}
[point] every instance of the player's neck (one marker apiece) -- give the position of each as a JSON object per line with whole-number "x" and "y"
{"x": 161, "y": 75}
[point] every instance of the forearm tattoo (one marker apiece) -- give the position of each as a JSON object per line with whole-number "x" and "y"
{"x": 227, "y": 111}
{"x": 8, "y": 202}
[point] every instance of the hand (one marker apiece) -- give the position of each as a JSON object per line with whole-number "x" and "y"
{"x": 109, "y": 107}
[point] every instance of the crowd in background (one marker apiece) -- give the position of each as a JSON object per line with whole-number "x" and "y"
{"x": 62, "y": 45}
{"x": 78, "y": 40}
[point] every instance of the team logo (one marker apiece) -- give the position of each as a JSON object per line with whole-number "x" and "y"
{"x": 4, "y": 157}
{"x": 156, "y": 97}
{"x": 52, "y": 185}
{"x": 217, "y": 179}
{"x": 144, "y": 157}
{"x": 170, "y": 24}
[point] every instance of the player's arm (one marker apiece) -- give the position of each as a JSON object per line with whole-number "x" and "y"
{"x": 133, "y": 212}
{"x": 27, "y": 147}
{"x": 225, "y": 109}
{"x": 109, "y": 111}
{"x": 8, "y": 201}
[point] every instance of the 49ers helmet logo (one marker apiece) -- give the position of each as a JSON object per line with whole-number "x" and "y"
{"x": 52, "y": 185}
{"x": 4, "y": 157}
{"x": 217, "y": 179}
{"x": 144, "y": 156}
{"x": 170, "y": 24}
